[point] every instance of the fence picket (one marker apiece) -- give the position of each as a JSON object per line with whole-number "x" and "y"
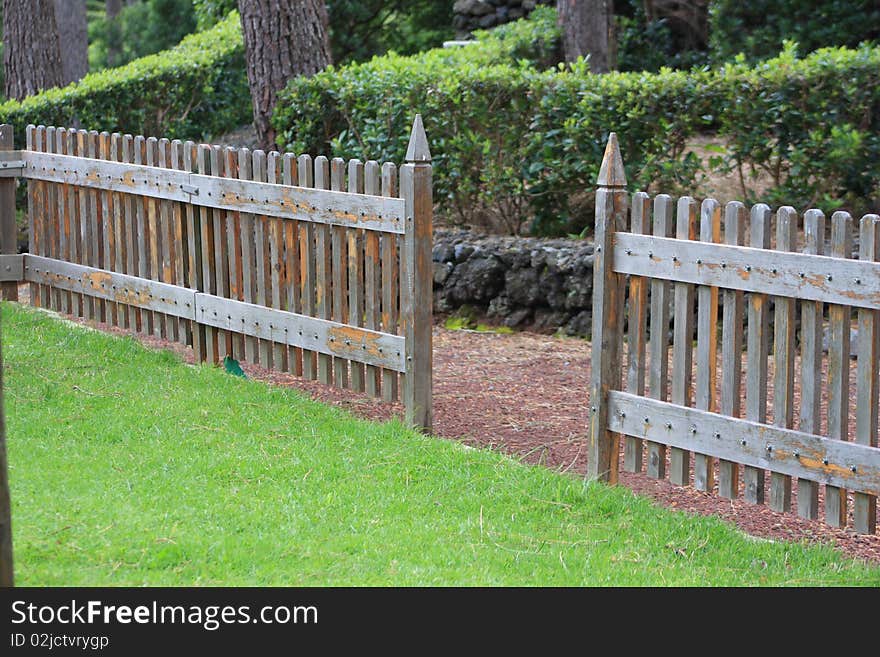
{"x": 209, "y": 280}
{"x": 682, "y": 341}
{"x": 658, "y": 383}
{"x": 220, "y": 261}
{"x": 356, "y": 272}
{"x": 292, "y": 264}
{"x": 735, "y": 216}
{"x": 865, "y": 505}
{"x": 372, "y": 281}
{"x": 308, "y": 283}
{"x": 194, "y": 260}
{"x": 636, "y": 338}
{"x": 324, "y": 269}
{"x": 248, "y": 273}
{"x": 757, "y": 349}
{"x": 261, "y": 251}
{"x": 154, "y": 247}
{"x": 235, "y": 340}
{"x": 707, "y": 343}
{"x": 811, "y": 363}
{"x": 340, "y": 271}
{"x": 390, "y": 283}
{"x": 107, "y": 234}
{"x": 276, "y": 259}
{"x": 63, "y": 209}
{"x": 177, "y": 235}
{"x": 838, "y": 368}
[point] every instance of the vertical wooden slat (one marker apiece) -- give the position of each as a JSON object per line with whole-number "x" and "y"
{"x": 390, "y": 283}
{"x": 234, "y": 232}
{"x": 95, "y": 226}
{"x": 416, "y": 311}
{"x": 108, "y": 237}
{"x": 308, "y": 282}
{"x": 356, "y": 270}
{"x": 636, "y": 340}
{"x": 707, "y": 342}
{"x": 194, "y": 255}
{"x": 372, "y": 283}
{"x": 166, "y": 226}
{"x": 865, "y": 505}
{"x": 209, "y": 279}
{"x": 118, "y": 228}
{"x": 757, "y": 348}
{"x": 8, "y": 228}
{"x": 130, "y": 228}
{"x": 42, "y": 217}
{"x": 220, "y": 263}
{"x": 339, "y": 271}
{"x": 63, "y": 200}
{"x": 276, "y": 260}
{"x": 735, "y": 216}
{"x": 611, "y": 213}
{"x": 811, "y": 363}
{"x": 682, "y": 339}
{"x": 261, "y": 254}
{"x": 86, "y": 226}
{"x": 154, "y": 249}
{"x": 33, "y": 211}
{"x": 783, "y": 358}
{"x": 838, "y": 368}
{"x": 51, "y": 218}
{"x": 323, "y": 269}
{"x": 659, "y": 346}
{"x": 142, "y": 236}
{"x": 290, "y": 176}
{"x": 178, "y": 240}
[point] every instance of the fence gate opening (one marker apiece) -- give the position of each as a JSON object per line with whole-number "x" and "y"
{"x": 317, "y": 267}
{"x": 778, "y": 313}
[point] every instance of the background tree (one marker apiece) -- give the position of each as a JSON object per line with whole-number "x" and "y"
{"x": 282, "y": 39}
{"x": 588, "y": 29}
{"x": 114, "y": 48}
{"x": 31, "y": 53}
{"x": 73, "y": 35}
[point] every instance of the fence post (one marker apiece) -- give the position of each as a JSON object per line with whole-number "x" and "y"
{"x": 611, "y": 209}
{"x": 8, "y": 231}
{"x": 416, "y": 277}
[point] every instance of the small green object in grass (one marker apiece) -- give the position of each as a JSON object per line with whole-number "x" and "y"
{"x": 232, "y": 367}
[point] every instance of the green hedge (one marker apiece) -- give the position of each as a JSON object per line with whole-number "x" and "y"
{"x": 196, "y": 89}
{"x": 517, "y": 147}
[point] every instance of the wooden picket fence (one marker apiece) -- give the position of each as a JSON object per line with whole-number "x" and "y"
{"x": 657, "y": 262}
{"x": 316, "y": 267}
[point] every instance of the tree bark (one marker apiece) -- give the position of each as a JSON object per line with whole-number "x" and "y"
{"x": 73, "y": 35}
{"x": 282, "y": 39}
{"x": 588, "y": 29}
{"x": 114, "y": 52}
{"x": 31, "y": 53}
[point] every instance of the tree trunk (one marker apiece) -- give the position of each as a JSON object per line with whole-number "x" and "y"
{"x": 73, "y": 35}
{"x": 588, "y": 29}
{"x": 31, "y": 53}
{"x": 282, "y": 39}
{"x": 114, "y": 52}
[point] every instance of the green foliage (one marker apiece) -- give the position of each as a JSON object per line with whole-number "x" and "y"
{"x": 646, "y": 45}
{"x": 196, "y": 89}
{"x": 210, "y": 12}
{"x": 812, "y": 124}
{"x": 758, "y": 28}
{"x": 140, "y": 29}
{"x": 517, "y": 147}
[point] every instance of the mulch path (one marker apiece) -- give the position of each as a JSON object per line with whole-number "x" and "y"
{"x": 525, "y": 394}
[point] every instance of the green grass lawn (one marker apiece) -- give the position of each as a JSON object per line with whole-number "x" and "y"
{"x": 129, "y": 467}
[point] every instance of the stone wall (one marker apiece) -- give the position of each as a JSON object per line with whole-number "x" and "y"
{"x": 522, "y": 282}
{"x": 473, "y": 15}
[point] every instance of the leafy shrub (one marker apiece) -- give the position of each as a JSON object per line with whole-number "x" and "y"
{"x": 517, "y": 147}
{"x": 196, "y": 89}
{"x": 758, "y": 28}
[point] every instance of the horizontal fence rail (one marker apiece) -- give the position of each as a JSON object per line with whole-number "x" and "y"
{"x": 310, "y": 266}
{"x": 737, "y": 350}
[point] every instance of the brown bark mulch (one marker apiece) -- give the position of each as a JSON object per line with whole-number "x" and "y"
{"x": 526, "y": 394}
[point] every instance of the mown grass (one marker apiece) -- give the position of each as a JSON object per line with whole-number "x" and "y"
{"x": 129, "y": 467}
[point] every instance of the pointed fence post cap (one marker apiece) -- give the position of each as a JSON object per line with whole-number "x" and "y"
{"x": 611, "y": 173}
{"x": 418, "y": 150}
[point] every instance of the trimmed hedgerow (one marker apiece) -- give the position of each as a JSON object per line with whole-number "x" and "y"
{"x": 517, "y": 147}
{"x": 195, "y": 89}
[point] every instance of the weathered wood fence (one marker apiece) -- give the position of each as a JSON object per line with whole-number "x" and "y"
{"x": 803, "y": 414}
{"x": 317, "y": 267}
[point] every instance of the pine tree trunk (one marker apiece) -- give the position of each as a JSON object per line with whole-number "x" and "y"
{"x": 282, "y": 39}
{"x": 114, "y": 50}
{"x": 31, "y": 53}
{"x": 73, "y": 33}
{"x": 588, "y": 29}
